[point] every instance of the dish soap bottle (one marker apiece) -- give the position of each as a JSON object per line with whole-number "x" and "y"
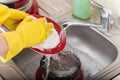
{"x": 81, "y": 9}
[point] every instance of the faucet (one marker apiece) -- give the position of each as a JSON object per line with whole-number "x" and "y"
{"x": 105, "y": 21}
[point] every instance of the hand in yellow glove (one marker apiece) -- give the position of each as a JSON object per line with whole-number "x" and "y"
{"x": 29, "y": 32}
{"x": 11, "y": 17}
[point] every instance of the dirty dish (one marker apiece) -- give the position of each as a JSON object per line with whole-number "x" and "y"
{"x": 62, "y": 37}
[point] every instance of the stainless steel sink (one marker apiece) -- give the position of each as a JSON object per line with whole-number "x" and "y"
{"x": 93, "y": 49}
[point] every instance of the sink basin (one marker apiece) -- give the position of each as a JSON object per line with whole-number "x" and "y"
{"x": 94, "y": 50}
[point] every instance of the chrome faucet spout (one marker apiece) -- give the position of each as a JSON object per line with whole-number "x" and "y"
{"x": 105, "y": 21}
{"x": 80, "y": 23}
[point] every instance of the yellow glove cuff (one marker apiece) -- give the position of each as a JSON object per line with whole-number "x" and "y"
{"x": 15, "y": 45}
{"x": 4, "y": 12}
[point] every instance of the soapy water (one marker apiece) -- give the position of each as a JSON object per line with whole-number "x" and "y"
{"x": 58, "y": 66}
{"x": 39, "y": 77}
{"x": 89, "y": 65}
{"x": 47, "y": 61}
{"x": 65, "y": 73}
{"x": 54, "y": 56}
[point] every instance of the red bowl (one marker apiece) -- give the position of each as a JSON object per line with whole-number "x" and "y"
{"x": 60, "y": 46}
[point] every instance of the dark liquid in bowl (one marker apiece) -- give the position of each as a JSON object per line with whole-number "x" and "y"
{"x": 63, "y": 67}
{"x": 39, "y": 75}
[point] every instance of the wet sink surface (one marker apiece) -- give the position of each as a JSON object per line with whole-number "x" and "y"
{"x": 94, "y": 50}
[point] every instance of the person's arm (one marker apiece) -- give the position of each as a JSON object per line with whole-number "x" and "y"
{"x": 3, "y": 45}
{"x": 29, "y": 33}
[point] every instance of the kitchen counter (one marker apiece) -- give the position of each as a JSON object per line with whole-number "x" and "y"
{"x": 62, "y": 12}
{"x": 113, "y": 34}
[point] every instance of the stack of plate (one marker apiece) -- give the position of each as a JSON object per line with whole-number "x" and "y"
{"x": 8, "y": 1}
{"x": 23, "y": 5}
{"x": 26, "y": 6}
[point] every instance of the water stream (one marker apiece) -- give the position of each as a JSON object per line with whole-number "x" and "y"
{"x": 54, "y": 56}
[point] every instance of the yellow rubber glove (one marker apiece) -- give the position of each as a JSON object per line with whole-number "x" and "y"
{"x": 29, "y": 32}
{"x": 4, "y": 13}
{"x": 11, "y": 17}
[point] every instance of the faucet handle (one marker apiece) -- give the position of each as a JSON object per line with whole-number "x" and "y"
{"x": 106, "y": 19}
{"x": 108, "y": 13}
